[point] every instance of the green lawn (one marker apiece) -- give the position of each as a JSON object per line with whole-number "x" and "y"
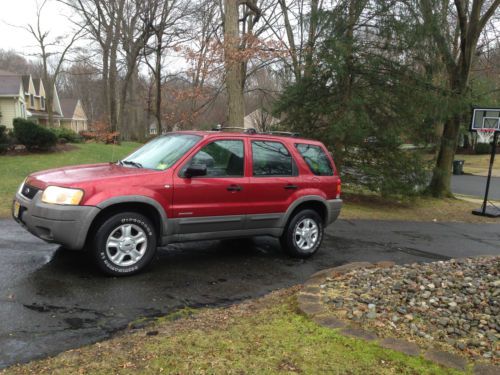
{"x": 479, "y": 164}
{"x": 265, "y": 336}
{"x": 13, "y": 169}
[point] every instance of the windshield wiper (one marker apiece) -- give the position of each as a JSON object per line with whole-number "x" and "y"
{"x": 133, "y": 163}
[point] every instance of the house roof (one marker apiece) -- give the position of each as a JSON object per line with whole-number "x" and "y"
{"x": 26, "y": 83}
{"x": 7, "y": 73}
{"x": 10, "y": 84}
{"x": 42, "y": 114}
{"x": 68, "y": 107}
{"x": 36, "y": 83}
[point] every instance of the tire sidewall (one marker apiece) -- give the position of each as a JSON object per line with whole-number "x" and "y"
{"x": 108, "y": 227}
{"x": 289, "y": 240}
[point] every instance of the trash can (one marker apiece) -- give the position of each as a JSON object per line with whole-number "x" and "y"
{"x": 458, "y": 166}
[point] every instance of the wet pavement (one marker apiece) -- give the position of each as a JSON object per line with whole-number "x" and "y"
{"x": 53, "y": 300}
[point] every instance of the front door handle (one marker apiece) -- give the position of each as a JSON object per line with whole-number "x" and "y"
{"x": 234, "y": 188}
{"x": 290, "y": 187}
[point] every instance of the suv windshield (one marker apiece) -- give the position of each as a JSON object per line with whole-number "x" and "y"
{"x": 162, "y": 152}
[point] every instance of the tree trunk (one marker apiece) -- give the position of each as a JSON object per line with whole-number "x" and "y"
{"x": 105, "y": 82}
{"x": 158, "y": 86}
{"x": 234, "y": 81}
{"x": 112, "y": 90}
{"x": 311, "y": 38}
{"x": 441, "y": 177}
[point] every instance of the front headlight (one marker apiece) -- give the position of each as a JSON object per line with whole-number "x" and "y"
{"x": 59, "y": 195}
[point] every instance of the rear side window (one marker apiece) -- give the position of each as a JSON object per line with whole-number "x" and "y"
{"x": 316, "y": 159}
{"x": 222, "y": 158}
{"x": 272, "y": 159}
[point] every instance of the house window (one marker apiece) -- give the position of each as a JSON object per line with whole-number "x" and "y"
{"x": 152, "y": 130}
{"x": 43, "y": 102}
{"x": 32, "y": 100}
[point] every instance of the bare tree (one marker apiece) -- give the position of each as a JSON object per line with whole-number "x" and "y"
{"x": 168, "y": 31}
{"x": 458, "y": 50}
{"x": 102, "y": 20}
{"x": 53, "y": 52}
{"x": 235, "y": 57}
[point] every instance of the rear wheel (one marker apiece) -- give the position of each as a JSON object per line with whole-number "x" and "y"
{"x": 124, "y": 244}
{"x": 303, "y": 234}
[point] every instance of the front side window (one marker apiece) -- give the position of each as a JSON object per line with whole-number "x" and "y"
{"x": 221, "y": 158}
{"x": 316, "y": 159}
{"x": 271, "y": 159}
{"x": 162, "y": 152}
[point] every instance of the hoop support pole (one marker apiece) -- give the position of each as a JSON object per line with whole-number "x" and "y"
{"x": 490, "y": 170}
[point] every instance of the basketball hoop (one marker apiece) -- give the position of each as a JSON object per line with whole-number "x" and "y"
{"x": 485, "y": 135}
{"x": 486, "y": 124}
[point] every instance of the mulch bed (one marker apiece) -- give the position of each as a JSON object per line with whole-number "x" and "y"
{"x": 60, "y": 147}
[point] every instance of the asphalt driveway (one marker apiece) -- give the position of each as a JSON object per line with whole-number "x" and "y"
{"x": 475, "y": 186}
{"x": 53, "y": 300}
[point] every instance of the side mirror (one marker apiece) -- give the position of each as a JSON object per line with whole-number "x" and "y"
{"x": 195, "y": 170}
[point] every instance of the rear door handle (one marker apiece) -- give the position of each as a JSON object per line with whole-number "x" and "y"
{"x": 234, "y": 188}
{"x": 290, "y": 187}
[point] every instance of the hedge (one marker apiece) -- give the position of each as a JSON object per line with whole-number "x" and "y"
{"x": 482, "y": 148}
{"x": 4, "y": 139}
{"x": 32, "y": 136}
{"x": 66, "y": 134}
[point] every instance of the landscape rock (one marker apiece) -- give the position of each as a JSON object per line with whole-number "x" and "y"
{"x": 452, "y": 302}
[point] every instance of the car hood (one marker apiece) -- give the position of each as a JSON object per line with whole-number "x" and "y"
{"x": 75, "y": 175}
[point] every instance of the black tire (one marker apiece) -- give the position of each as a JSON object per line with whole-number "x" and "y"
{"x": 117, "y": 225}
{"x": 289, "y": 239}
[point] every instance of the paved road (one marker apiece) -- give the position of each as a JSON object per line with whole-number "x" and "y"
{"x": 52, "y": 300}
{"x": 475, "y": 186}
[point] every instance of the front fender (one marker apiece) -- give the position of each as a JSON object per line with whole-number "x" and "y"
{"x": 150, "y": 198}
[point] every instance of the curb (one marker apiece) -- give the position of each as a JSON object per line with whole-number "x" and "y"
{"x": 309, "y": 302}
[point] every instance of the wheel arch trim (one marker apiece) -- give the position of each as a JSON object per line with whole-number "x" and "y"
{"x": 141, "y": 199}
{"x": 302, "y": 200}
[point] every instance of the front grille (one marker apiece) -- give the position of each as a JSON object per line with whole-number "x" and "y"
{"x": 29, "y": 191}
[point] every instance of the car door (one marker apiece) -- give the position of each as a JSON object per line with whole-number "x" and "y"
{"x": 217, "y": 201}
{"x": 274, "y": 182}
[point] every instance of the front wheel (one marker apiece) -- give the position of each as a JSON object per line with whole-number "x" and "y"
{"x": 303, "y": 234}
{"x": 124, "y": 244}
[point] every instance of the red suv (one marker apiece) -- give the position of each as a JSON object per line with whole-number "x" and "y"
{"x": 186, "y": 186}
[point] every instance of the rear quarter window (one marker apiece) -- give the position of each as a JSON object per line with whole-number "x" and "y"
{"x": 271, "y": 158}
{"x": 316, "y": 159}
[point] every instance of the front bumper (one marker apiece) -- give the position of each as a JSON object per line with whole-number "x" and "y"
{"x": 333, "y": 206}
{"x": 64, "y": 225}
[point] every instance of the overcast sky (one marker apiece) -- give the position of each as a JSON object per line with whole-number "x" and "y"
{"x": 23, "y": 12}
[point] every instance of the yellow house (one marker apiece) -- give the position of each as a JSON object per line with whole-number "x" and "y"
{"x": 34, "y": 92}
{"x": 73, "y": 115}
{"x": 12, "y": 99}
{"x": 24, "y": 96}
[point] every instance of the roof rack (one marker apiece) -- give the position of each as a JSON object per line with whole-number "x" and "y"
{"x": 289, "y": 134}
{"x": 244, "y": 130}
{"x": 254, "y": 131}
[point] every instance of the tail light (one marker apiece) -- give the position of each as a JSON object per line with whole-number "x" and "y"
{"x": 339, "y": 190}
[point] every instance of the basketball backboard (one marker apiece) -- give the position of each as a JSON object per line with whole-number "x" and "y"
{"x": 485, "y": 118}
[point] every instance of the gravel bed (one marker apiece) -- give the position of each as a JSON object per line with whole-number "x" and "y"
{"x": 446, "y": 304}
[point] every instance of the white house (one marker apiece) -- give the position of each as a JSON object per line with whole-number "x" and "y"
{"x": 260, "y": 120}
